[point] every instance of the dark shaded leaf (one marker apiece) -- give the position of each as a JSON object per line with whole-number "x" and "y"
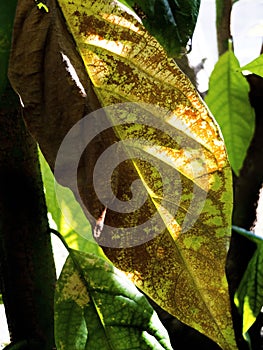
{"x": 7, "y": 14}
{"x": 54, "y": 96}
{"x": 171, "y": 22}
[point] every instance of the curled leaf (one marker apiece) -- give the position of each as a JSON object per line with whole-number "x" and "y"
{"x": 48, "y": 74}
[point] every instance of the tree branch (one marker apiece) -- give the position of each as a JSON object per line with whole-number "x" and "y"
{"x": 26, "y": 261}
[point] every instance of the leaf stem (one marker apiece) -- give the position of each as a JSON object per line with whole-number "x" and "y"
{"x": 60, "y": 236}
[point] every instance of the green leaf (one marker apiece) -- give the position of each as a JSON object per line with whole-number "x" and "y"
{"x": 256, "y": 66}
{"x": 172, "y": 22}
{"x": 181, "y": 269}
{"x": 228, "y": 100}
{"x": 67, "y": 214}
{"x": 96, "y": 307}
{"x": 7, "y": 13}
{"x": 249, "y": 296}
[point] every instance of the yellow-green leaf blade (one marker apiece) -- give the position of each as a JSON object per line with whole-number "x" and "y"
{"x": 67, "y": 214}
{"x": 256, "y": 66}
{"x": 249, "y": 295}
{"x": 229, "y": 102}
{"x": 176, "y": 268}
{"x": 98, "y": 308}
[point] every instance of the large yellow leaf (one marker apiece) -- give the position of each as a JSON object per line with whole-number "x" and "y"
{"x": 182, "y": 264}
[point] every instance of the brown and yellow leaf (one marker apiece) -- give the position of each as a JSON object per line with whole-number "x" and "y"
{"x": 182, "y": 270}
{"x": 179, "y": 260}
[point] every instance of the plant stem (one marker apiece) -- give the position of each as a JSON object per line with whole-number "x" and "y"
{"x": 223, "y": 11}
{"x": 27, "y": 267}
{"x": 59, "y": 235}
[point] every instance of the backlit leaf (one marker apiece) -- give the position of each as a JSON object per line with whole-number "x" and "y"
{"x": 256, "y": 66}
{"x": 183, "y": 270}
{"x": 97, "y": 308}
{"x": 67, "y": 214}
{"x": 249, "y": 296}
{"x": 228, "y": 100}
